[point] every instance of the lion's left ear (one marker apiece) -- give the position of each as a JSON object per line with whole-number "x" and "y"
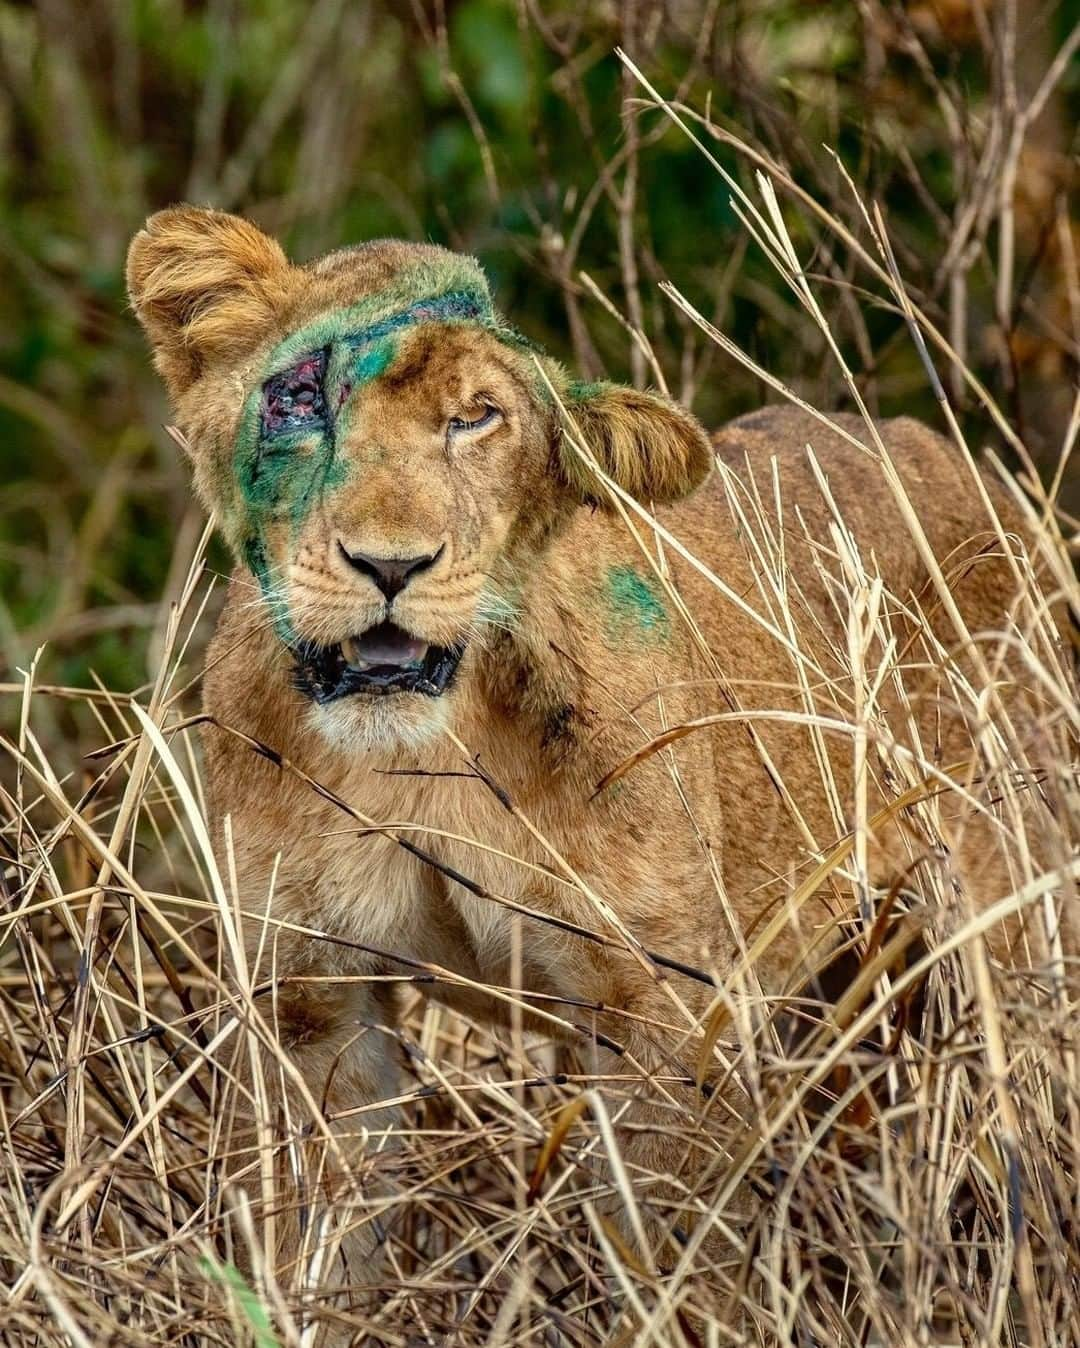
{"x": 654, "y": 449}
{"x": 203, "y": 284}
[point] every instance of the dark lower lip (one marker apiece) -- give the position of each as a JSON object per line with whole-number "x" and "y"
{"x": 322, "y": 674}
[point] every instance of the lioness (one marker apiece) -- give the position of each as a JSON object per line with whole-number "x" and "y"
{"x": 445, "y": 620}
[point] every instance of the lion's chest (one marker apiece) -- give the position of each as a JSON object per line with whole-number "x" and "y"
{"x": 436, "y": 886}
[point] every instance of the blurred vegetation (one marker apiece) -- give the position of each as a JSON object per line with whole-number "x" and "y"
{"x": 507, "y": 128}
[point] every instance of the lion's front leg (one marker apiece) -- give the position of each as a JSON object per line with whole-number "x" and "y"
{"x": 666, "y": 1148}
{"x": 304, "y": 1125}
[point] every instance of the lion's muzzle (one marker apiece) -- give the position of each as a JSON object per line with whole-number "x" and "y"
{"x": 384, "y": 659}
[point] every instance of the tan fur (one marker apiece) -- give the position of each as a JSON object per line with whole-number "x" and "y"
{"x": 568, "y": 682}
{"x": 640, "y": 442}
{"x": 201, "y": 283}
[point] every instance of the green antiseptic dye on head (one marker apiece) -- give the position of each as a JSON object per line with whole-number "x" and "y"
{"x": 374, "y": 360}
{"x": 281, "y": 475}
{"x": 450, "y": 289}
{"x": 635, "y": 605}
{"x": 582, "y": 390}
{"x": 281, "y": 472}
{"x": 254, "y": 558}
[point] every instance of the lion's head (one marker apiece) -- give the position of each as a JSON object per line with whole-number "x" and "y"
{"x": 381, "y": 451}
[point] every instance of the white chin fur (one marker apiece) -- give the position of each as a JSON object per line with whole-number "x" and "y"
{"x": 395, "y": 721}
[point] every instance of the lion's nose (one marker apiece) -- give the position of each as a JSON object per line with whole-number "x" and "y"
{"x": 390, "y": 574}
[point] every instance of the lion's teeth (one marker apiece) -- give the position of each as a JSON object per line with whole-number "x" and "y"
{"x": 350, "y": 649}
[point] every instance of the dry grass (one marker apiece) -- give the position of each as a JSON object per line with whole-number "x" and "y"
{"x": 912, "y": 1152}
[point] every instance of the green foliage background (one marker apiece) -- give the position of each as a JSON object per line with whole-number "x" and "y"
{"x": 487, "y": 125}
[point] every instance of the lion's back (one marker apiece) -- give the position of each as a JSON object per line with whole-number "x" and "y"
{"x": 824, "y": 475}
{"x": 774, "y": 525}
{"x": 786, "y": 483}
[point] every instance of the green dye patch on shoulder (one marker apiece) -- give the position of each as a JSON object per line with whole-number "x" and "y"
{"x": 635, "y": 606}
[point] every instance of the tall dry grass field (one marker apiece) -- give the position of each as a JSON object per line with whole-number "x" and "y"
{"x": 908, "y": 1136}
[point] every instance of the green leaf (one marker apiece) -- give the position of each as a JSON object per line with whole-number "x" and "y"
{"x": 229, "y": 1276}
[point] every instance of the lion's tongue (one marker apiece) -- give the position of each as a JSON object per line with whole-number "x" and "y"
{"x": 383, "y": 645}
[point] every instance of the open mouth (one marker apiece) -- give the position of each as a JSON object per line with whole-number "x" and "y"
{"x": 384, "y": 659}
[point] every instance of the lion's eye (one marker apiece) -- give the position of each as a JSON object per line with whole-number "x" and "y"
{"x": 295, "y": 397}
{"x": 457, "y": 425}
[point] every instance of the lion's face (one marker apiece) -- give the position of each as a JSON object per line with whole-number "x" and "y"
{"x": 382, "y": 452}
{"x": 382, "y": 476}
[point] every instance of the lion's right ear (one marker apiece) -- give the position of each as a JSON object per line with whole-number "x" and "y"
{"x": 202, "y": 283}
{"x": 651, "y": 447}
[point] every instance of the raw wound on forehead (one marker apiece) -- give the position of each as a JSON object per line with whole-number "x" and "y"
{"x": 294, "y": 396}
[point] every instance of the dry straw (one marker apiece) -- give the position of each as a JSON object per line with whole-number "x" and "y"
{"x": 914, "y": 1177}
